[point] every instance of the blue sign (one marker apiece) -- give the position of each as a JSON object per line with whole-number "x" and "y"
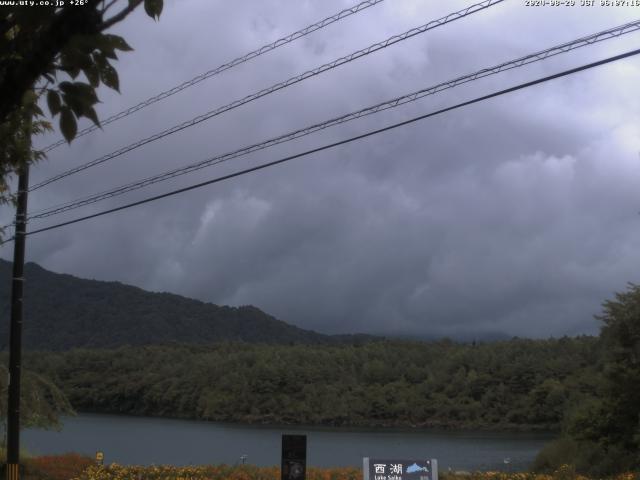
{"x": 399, "y": 469}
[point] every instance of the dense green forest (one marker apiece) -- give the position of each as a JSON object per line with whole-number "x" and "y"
{"x": 62, "y": 312}
{"x": 525, "y": 384}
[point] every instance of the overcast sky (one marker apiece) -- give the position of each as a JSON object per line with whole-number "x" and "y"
{"x": 518, "y": 215}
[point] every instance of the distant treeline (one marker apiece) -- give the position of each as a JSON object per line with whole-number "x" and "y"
{"x": 525, "y": 384}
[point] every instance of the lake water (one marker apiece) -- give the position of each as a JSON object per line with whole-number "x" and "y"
{"x": 145, "y": 441}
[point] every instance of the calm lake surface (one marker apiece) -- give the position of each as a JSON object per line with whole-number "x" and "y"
{"x": 145, "y": 441}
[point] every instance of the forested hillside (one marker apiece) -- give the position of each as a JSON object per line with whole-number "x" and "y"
{"x": 63, "y": 312}
{"x": 519, "y": 383}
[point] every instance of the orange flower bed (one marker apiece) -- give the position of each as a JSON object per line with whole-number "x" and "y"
{"x": 77, "y": 467}
{"x": 210, "y": 472}
{"x": 248, "y": 472}
{"x": 57, "y": 467}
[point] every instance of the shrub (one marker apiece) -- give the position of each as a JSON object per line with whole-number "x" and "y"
{"x": 57, "y": 467}
{"x": 559, "y": 452}
{"x": 565, "y": 458}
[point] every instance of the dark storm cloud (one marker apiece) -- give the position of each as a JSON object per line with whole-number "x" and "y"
{"x": 518, "y": 215}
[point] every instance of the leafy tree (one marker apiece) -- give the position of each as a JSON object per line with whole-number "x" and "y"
{"x": 621, "y": 338}
{"x": 41, "y": 402}
{"x": 602, "y": 432}
{"x": 39, "y": 44}
{"x": 610, "y": 422}
{"x": 15, "y": 140}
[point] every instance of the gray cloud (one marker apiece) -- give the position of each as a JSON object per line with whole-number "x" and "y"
{"x": 518, "y": 215}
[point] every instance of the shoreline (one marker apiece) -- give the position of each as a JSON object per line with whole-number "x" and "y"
{"x": 347, "y": 427}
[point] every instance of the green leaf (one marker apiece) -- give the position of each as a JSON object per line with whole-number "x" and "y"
{"x": 91, "y": 114}
{"x": 109, "y": 53}
{"x": 73, "y": 72}
{"x": 100, "y": 60}
{"x": 117, "y": 42}
{"x": 153, "y": 8}
{"x": 73, "y": 60}
{"x": 68, "y": 124}
{"x": 75, "y": 103}
{"x": 85, "y": 92}
{"x": 66, "y": 87}
{"x": 93, "y": 75}
{"x": 106, "y": 44}
{"x": 80, "y": 98}
{"x": 80, "y": 91}
{"x": 109, "y": 77}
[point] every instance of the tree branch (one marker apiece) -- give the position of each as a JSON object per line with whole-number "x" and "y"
{"x": 118, "y": 17}
{"x": 108, "y": 5}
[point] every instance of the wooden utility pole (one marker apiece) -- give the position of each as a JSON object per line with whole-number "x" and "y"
{"x": 15, "y": 340}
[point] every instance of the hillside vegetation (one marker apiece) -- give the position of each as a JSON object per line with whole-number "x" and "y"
{"x": 515, "y": 384}
{"x": 63, "y": 312}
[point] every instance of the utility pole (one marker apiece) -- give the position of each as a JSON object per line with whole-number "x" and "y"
{"x": 15, "y": 339}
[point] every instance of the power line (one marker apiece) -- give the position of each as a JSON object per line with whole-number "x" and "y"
{"x": 225, "y": 66}
{"x": 395, "y": 102}
{"x": 342, "y": 142}
{"x": 279, "y": 86}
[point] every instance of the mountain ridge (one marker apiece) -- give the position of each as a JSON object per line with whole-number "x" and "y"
{"x": 63, "y": 311}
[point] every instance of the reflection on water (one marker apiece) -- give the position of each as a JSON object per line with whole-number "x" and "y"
{"x": 138, "y": 440}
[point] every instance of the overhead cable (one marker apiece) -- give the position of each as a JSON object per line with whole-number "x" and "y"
{"x": 342, "y": 142}
{"x": 395, "y": 102}
{"x": 278, "y": 86}
{"x": 225, "y": 66}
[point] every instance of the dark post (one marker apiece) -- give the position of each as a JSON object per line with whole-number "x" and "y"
{"x": 294, "y": 457}
{"x": 15, "y": 339}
